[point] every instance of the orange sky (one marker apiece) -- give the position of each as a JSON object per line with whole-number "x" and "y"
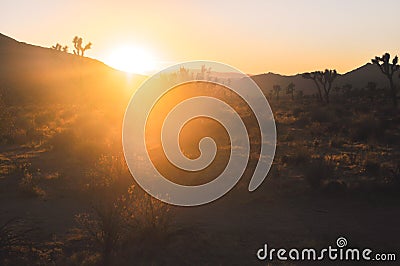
{"x": 284, "y": 37}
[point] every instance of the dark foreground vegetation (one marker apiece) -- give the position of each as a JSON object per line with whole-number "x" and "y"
{"x": 67, "y": 196}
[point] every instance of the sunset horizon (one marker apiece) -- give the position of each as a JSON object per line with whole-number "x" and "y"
{"x": 280, "y": 42}
{"x": 199, "y": 132}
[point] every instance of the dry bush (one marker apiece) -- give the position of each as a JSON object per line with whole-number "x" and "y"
{"x": 29, "y": 179}
{"x": 337, "y": 142}
{"x": 108, "y": 171}
{"x": 367, "y": 127}
{"x": 317, "y": 171}
{"x": 135, "y": 222}
{"x": 301, "y": 156}
{"x": 103, "y": 228}
{"x": 297, "y": 111}
{"x": 15, "y": 247}
{"x": 323, "y": 115}
{"x": 7, "y": 121}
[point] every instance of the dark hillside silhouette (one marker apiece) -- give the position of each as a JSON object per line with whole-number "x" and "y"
{"x": 358, "y": 77}
{"x": 34, "y": 73}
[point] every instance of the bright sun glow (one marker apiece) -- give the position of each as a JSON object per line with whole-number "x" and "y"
{"x": 132, "y": 59}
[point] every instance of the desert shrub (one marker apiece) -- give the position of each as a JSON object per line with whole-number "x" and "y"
{"x": 7, "y": 123}
{"x": 302, "y": 122}
{"x": 323, "y": 115}
{"x": 301, "y": 155}
{"x": 337, "y": 142}
{"x": 367, "y": 128}
{"x": 75, "y": 148}
{"x": 144, "y": 212}
{"x": 372, "y": 166}
{"x": 289, "y": 137}
{"x": 103, "y": 227}
{"x": 135, "y": 221}
{"x": 108, "y": 171}
{"x": 297, "y": 111}
{"x": 45, "y": 118}
{"x": 63, "y": 142}
{"x": 29, "y": 180}
{"x": 318, "y": 170}
{"x": 341, "y": 112}
{"x": 15, "y": 247}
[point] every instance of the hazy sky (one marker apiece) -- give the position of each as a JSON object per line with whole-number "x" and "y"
{"x": 258, "y": 36}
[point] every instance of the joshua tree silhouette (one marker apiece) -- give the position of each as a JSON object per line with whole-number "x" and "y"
{"x": 313, "y": 76}
{"x": 371, "y": 87}
{"x": 290, "y": 89}
{"x": 79, "y": 49}
{"x": 388, "y": 69}
{"x": 326, "y": 79}
{"x": 57, "y": 47}
{"x": 276, "y": 89}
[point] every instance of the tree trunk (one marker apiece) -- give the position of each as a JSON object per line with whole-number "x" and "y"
{"x": 393, "y": 92}
{"x": 319, "y": 90}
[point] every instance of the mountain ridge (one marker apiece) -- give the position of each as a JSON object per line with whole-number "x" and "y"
{"x": 39, "y": 69}
{"x": 35, "y": 73}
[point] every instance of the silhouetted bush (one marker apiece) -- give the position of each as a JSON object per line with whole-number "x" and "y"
{"x": 7, "y": 123}
{"x": 28, "y": 179}
{"x": 323, "y": 115}
{"x": 134, "y": 221}
{"x": 15, "y": 246}
{"x": 318, "y": 170}
{"x": 366, "y": 128}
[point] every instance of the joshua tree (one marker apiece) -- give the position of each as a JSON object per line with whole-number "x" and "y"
{"x": 183, "y": 74}
{"x": 79, "y": 49}
{"x": 276, "y": 89}
{"x": 388, "y": 69}
{"x": 326, "y": 79}
{"x": 204, "y": 73}
{"x": 57, "y": 47}
{"x": 371, "y": 86}
{"x": 290, "y": 89}
{"x": 313, "y": 76}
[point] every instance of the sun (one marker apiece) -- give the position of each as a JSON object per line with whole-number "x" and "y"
{"x": 132, "y": 59}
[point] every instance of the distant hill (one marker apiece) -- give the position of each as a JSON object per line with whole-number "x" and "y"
{"x": 38, "y": 74}
{"x": 34, "y": 73}
{"x": 358, "y": 78}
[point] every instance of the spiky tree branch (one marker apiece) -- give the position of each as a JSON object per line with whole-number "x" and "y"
{"x": 313, "y": 76}
{"x": 388, "y": 69}
{"x": 79, "y": 49}
{"x": 276, "y": 89}
{"x": 326, "y": 79}
{"x": 290, "y": 89}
